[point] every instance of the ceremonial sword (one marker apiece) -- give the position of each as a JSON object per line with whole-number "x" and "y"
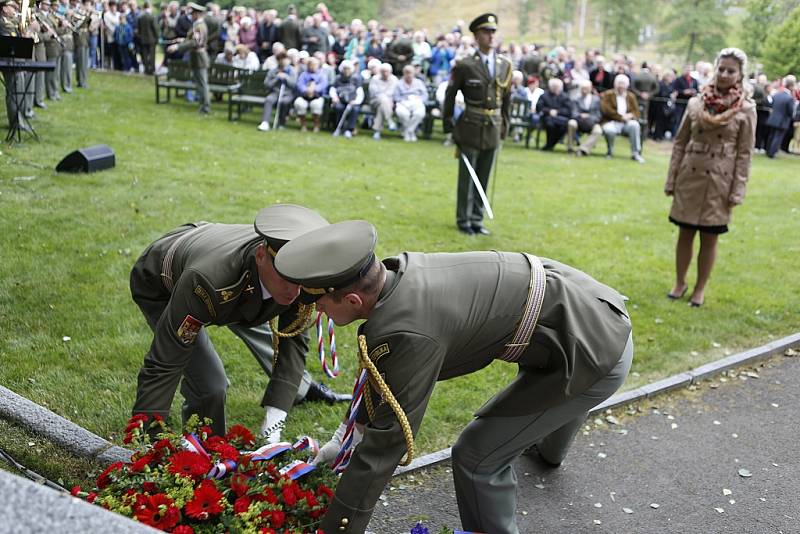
{"x": 477, "y": 184}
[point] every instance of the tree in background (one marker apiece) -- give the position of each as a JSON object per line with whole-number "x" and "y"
{"x": 696, "y": 29}
{"x": 763, "y": 15}
{"x": 622, "y": 21}
{"x": 560, "y": 14}
{"x": 781, "y": 52}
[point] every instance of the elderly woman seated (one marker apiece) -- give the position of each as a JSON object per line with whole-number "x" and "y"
{"x": 346, "y": 94}
{"x": 381, "y": 94}
{"x": 409, "y": 97}
{"x": 311, "y": 87}
{"x": 283, "y": 76}
{"x": 245, "y": 59}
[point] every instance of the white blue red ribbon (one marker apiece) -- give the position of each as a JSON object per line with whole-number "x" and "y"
{"x": 307, "y": 443}
{"x": 268, "y": 452}
{"x": 334, "y": 372}
{"x": 222, "y": 469}
{"x": 192, "y": 443}
{"x": 343, "y": 458}
{"x": 296, "y": 469}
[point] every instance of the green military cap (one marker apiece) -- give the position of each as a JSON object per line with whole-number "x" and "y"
{"x": 329, "y": 258}
{"x": 280, "y": 223}
{"x": 196, "y": 7}
{"x": 487, "y": 21}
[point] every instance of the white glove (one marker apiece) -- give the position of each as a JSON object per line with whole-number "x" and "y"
{"x": 328, "y": 452}
{"x": 273, "y": 424}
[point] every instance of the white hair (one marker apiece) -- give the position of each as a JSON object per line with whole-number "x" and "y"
{"x": 552, "y": 83}
{"x": 346, "y": 64}
{"x": 622, "y": 79}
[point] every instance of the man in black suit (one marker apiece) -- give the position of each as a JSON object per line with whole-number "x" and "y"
{"x": 780, "y": 119}
{"x": 686, "y": 87}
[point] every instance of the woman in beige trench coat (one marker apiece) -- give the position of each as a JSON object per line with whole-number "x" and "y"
{"x": 709, "y": 168}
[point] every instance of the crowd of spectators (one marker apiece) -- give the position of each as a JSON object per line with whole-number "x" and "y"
{"x": 316, "y": 58}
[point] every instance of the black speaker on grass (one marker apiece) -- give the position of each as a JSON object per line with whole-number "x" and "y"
{"x": 90, "y": 159}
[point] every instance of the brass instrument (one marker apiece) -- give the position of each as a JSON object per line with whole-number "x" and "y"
{"x": 49, "y": 29}
{"x": 64, "y": 21}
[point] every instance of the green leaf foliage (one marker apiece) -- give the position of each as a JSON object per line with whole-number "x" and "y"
{"x": 782, "y": 47}
{"x": 695, "y": 29}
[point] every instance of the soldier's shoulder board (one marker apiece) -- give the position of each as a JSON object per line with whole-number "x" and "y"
{"x": 232, "y": 292}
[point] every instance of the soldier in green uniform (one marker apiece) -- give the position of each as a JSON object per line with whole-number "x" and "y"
{"x": 221, "y": 274}
{"x": 484, "y": 80}
{"x": 64, "y": 65}
{"x": 433, "y": 317}
{"x": 39, "y": 54}
{"x": 10, "y": 27}
{"x": 81, "y": 19}
{"x": 147, "y": 30}
{"x": 195, "y": 44}
{"x": 52, "y": 47}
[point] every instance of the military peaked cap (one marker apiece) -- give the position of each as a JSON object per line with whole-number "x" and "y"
{"x": 196, "y": 7}
{"x": 487, "y": 21}
{"x": 280, "y": 223}
{"x": 329, "y": 258}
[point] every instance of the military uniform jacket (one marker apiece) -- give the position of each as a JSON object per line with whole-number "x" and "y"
{"x": 195, "y": 43}
{"x": 487, "y": 99}
{"x": 8, "y": 28}
{"x": 441, "y": 316}
{"x": 211, "y": 279}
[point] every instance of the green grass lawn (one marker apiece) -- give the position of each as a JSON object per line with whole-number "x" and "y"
{"x": 68, "y": 243}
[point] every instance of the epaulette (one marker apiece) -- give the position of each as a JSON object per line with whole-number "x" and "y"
{"x": 230, "y": 293}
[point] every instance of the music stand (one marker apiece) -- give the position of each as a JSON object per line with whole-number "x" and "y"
{"x": 17, "y": 50}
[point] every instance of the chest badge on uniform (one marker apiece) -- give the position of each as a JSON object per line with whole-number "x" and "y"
{"x": 188, "y": 330}
{"x": 225, "y": 295}
{"x": 250, "y": 289}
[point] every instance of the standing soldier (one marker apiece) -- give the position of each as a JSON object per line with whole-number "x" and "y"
{"x": 195, "y": 43}
{"x": 82, "y": 20}
{"x": 147, "y": 30}
{"x": 52, "y": 48}
{"x": 206, "y": 274}
{"x": 64, "y": 65}
{"x": 484, "y": 79}
{"x": 39, "y": 54}
{"x": 213, "y": 22}
{"x": 31, "y": 78}
{"x": 14, "y": 81}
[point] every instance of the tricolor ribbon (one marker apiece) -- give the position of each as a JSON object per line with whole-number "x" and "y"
{"x": 192, "y": 443}
{"x": 307, "y": 442}
{"x": 343, "y": 458}
{"x": 332, "y": 373}
{"x": 296, "y": 469}
{"x": 268, "y": 452}
{"x": 222, "y": 469}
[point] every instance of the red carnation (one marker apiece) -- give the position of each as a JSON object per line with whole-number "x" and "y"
{"x": 164, "y": 445}
{"x": 267, "y": 531}
{"x": 75, "y": 491}
{"x": 189, "y": 464}
{"x": 183, "y": 529}
{"x": 156, "y": 511}
{"x": 141, "y": 463}
{"x": 241, "y": 434}
{"x": 277, "y": 518}
{"x": 206, "y": 501}
{"x": 205, "y": 432}
{"x": 322, "y": 489}
{"x": 91, "y": 497}
{"x": 288, "y": 496}
{"x": 241, "y": 505}
{"x": 150, "y": 487}
{"x": 221, "y": 447}
{"x": 239, "y": 484}
{"x": 105, "y": 479}
{"x": 136, "y": 418}
{"x": 311, "y": 500}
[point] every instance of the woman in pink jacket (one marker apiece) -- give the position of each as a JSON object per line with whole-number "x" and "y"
{"x": 709, "y": 167}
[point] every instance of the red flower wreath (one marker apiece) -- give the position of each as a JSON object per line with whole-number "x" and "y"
{"x": 189, "y": 464}
{"x": 156, "y": 511}
{"x": 206, "y": 501}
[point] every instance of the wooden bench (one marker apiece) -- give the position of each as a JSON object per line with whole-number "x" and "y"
{"x": 519, "y": 116}
{"x": 250, "y": 92}
{"x": 223, "y": 79}
{"x": 178, "y": 77}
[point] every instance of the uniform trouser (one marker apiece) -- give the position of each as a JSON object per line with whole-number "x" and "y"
{"x": 81, "y": 65}
{"x": 14, "y": 82}
{"x": 382, "y": 106}
{"x": 65, "y": 70}
{"x": 201, "y": 86}
{"x": 38, "y": 81}
{"x": 204, "y": 383}
{"x": 588, "y": 144}
{"x": 484, "y": 477}
{"x": 469, "y": 208}
{"x": 148, "y": 57}
{"x": 51, "y": 79}
{"x": 632, "y": 129}
{"x": 283, "y": 108}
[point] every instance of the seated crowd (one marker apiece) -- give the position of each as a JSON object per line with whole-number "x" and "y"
{"x": 392, "y": 74}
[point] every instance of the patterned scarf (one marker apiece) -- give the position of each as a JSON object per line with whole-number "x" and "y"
{"x": 718, "y": 108}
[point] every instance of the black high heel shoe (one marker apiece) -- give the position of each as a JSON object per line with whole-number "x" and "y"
{"x": 670, "y": 296}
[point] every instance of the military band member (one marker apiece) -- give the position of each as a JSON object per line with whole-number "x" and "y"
{"x": 14, "y": 81}
{"x": 484, "y": 79}
{"x": 81, "y": 21}
{"x": 63, "y": 27}
{"x": 433, "y": 317}
{"x": 195, "y": 44}
{"x": 39, "y": 54}
{"x": 52, "y": 47}
{"x": 221, "y": 274}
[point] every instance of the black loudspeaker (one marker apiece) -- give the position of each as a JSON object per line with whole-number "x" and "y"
{"x": 90, "y": 159}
